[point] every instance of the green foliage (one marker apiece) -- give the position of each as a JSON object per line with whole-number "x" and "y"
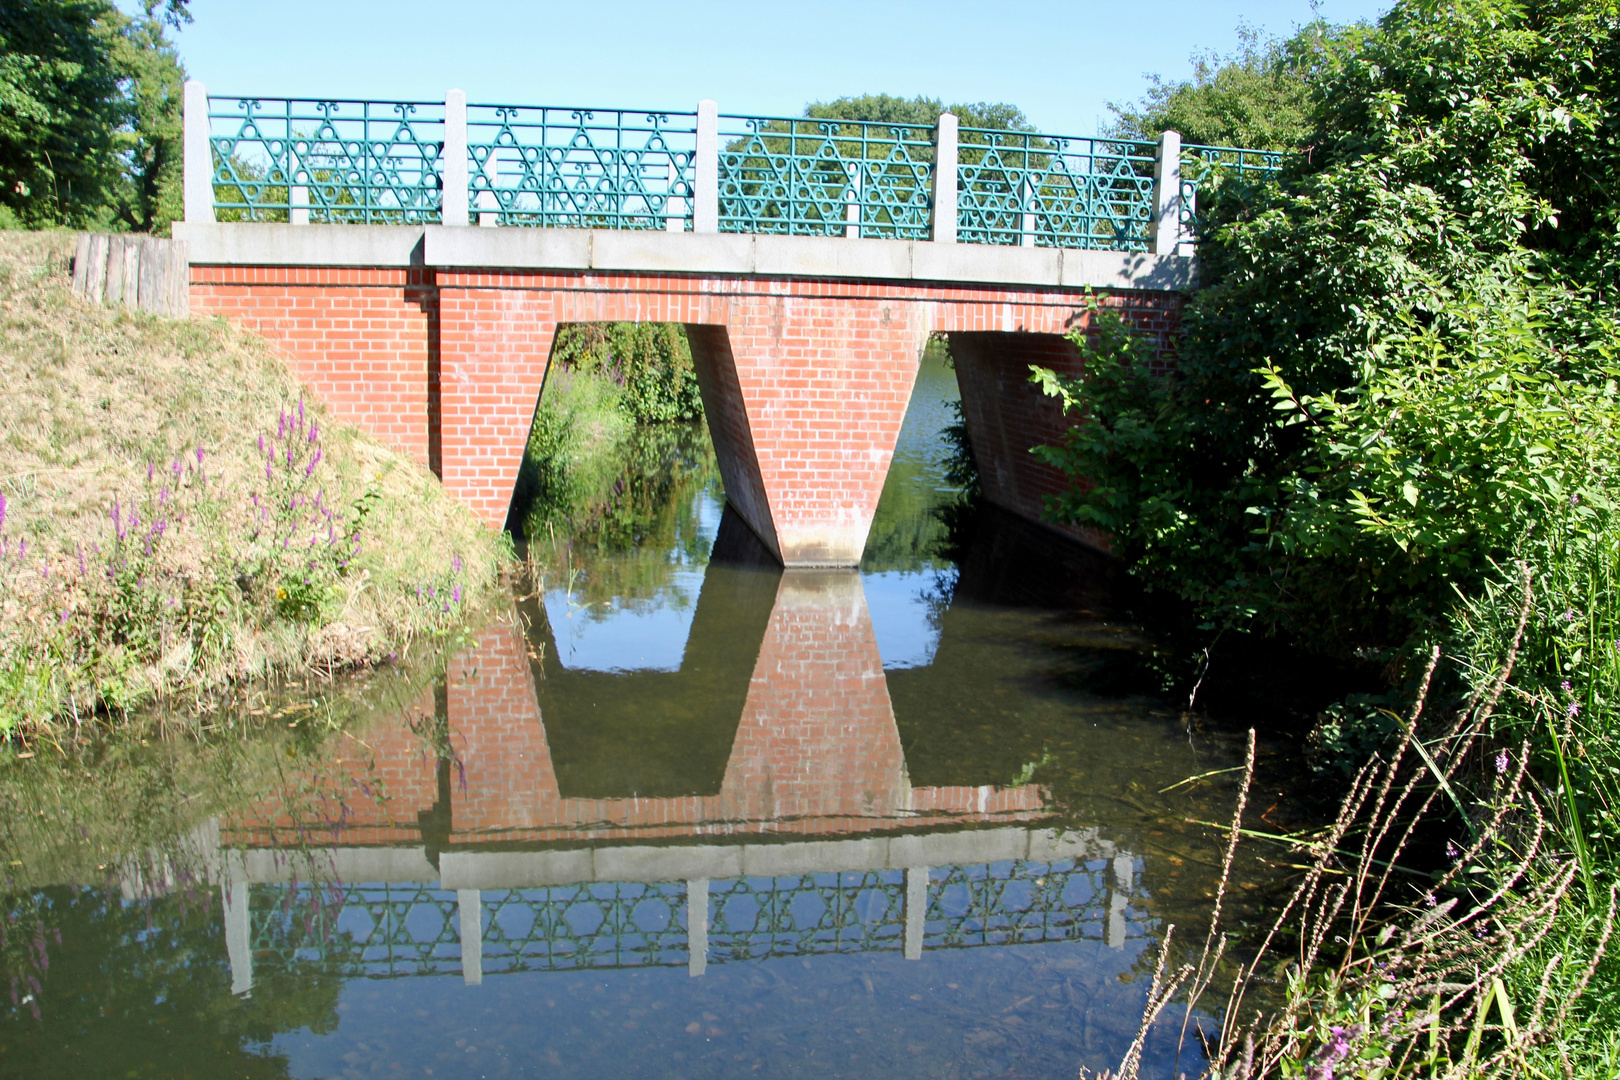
{"x": 1259, "y": 96}
{"x": 1393, "y": 372}
{"x": 89, "y": 114}
{"x": 650, "y": 363}
{"x": 919, "y": 111}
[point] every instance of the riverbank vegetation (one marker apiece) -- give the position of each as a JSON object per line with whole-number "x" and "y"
{"x": 178, "y": 519}
{"x": 1392, "y": 436}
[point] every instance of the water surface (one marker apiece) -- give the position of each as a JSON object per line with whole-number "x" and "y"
{"x": 681, "y": 814}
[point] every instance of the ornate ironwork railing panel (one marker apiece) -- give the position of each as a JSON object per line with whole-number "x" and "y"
{"x": 581, "y": 168}
{"x": 1200, "y": 164}
{"x": 1022, "y": 188}
{"x": 822, "y": 177}
{"x": 384, "y": 931}
{"x": 804, "y": 914}
{"x": 338, "y": 162}
{"x": 372, "y": 930}
{"x": 599, "y": 925}
{"x": 1016, "y": 903}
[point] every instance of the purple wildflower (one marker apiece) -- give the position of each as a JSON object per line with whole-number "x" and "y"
{"x": 1501, "y": 761}
{"x": 455, "y": 564}
{"x": 281, "y": 430}
{"x": 80, "y": 548}
{"x": 65, "y": 615}
{"x": 1574, "y": 710}
{"x": 150, "y": 469}
{"x": 1451, "y": 850}
{"x": 314, "y": 431}
{"x": 22, "y": 547}
{"x": 1564, "y": 686}
{"x": 455, "y": 594}
{"x": 2, "y": 509}
{"x": 261, "y": 444}
{"x": 1569, "y": 616}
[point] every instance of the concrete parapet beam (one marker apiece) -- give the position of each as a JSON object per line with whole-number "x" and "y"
{"x": 650, "y": 252}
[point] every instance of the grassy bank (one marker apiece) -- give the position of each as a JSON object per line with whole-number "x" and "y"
{"x": 179, "y": 517}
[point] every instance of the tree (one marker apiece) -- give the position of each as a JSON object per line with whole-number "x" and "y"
{"x": 89, "y": 114}
{"x": 1257, "y": 97}
{"x": 921, "y": 112}
{"x": 1400, "y": 368}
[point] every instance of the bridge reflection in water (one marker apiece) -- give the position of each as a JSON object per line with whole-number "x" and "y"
{"x": 752, "y": 804}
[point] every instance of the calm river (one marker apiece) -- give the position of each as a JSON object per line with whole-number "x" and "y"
{"x": 680, "y": 815}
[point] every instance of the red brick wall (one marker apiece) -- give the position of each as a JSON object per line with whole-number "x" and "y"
{"x": 817, "y": 742}
{"x": 358, "y": 338}
{"x": 806, "y": 380}
{"x": 367, "y": 791}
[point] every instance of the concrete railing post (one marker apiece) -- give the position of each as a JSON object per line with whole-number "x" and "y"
{"x": 1167, "y": 194}
{"x": 943, "y": 226}
{"x": 238, "y": 923}
{"x": 706, "y": 173}
{"x": 453, "y": 161}
{"x": 697, "y": 926}
{"x": 1119, "y": 897}
{"x": 298, "y": 205}
{"x": 197, "y": 168}
{"x": 916, "y": 910}
{"x": 470, "y": 909}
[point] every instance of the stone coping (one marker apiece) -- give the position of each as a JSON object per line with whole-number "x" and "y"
{"x": 710, "y": 254}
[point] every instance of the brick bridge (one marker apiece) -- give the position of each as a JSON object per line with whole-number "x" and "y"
{"x": 413, "y": 261}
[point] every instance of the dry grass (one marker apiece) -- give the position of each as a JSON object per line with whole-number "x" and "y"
{"x": 1387, "y": 973}
{"x": 100, "y": 399}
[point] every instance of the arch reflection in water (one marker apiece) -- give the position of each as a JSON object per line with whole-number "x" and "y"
{"x": 753, "y": 803}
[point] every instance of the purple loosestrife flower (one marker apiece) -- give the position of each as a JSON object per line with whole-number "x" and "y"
{"x": 314, "y": 432}
{"x": 177, "y": 468}
{"x": 150, "y": 470}
{"x": 455, "y": 594}
{"x": 82, "y": 568}
{"x": 300, "y": 411}
{"x": 455, "y": 563}
{"x": 261, "y": 444}
{"x": 2, "y": 509}
{"x": 199, "y": 455}
{"x": 281, "y": 429}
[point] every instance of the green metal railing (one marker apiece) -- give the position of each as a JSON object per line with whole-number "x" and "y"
{"x": 1021, "y": 188}
{"x": 581, "y": 168}
{"x": 818, "y": 177}
{"x": 369, "y": 162}
{"x": 326, "y": 161}
{"x": 387, "y": 931}
{"x": 1202, "y": 164}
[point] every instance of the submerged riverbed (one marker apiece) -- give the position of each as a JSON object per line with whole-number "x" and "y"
{"x": 681, "y": 814}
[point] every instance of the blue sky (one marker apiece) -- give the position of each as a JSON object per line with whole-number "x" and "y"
{"x": 1061, "y": 63}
